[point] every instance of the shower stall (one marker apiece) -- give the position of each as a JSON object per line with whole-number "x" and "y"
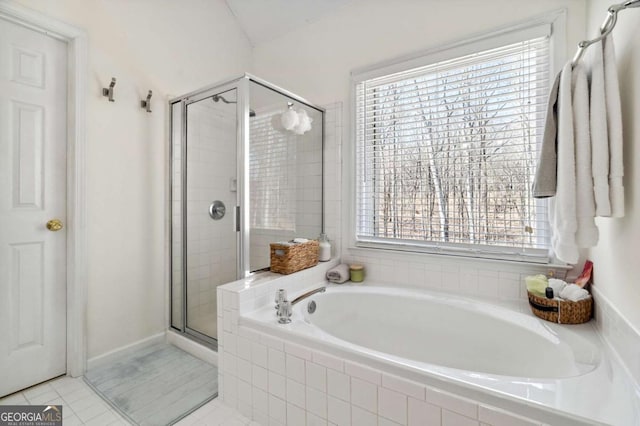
{"x": 246, "y": 171}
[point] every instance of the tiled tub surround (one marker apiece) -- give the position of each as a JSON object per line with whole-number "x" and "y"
{"x": 618, "y": 333}
{"x": 283, "y": 375}
{"x": 493, "y": 279}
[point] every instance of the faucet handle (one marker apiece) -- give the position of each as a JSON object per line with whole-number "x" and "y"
{"x": 284, "y": 312}
{"x": 281, "y": 296}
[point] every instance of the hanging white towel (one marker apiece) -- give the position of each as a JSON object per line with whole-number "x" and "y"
{"x": 614, "y": 126}
{"x": 563, "y": 217}
{"x": 599, "y": 134}
{"x": 544, "y": 184}
{"x": 587, "y": 232}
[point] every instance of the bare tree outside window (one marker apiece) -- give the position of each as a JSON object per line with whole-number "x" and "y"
{"x": 447, "y": 153}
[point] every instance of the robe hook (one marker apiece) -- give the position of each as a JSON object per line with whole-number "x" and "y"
{"x": 146, "y": 103}
{"x": 108, "y": 91}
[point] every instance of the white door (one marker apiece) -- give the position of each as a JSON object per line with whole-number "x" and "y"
{"x": 33, "y": 120}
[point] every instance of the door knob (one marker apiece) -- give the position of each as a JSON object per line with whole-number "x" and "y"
{"x": 54, "y": 225}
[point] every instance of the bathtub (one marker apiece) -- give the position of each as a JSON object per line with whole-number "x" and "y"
{"x": 495, "y": 354}
{"x": 454, "y": 333}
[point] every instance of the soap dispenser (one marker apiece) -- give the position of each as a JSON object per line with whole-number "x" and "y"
{"x": 325, "y": 248}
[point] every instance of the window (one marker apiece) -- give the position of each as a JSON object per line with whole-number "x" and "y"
{"x": 446, "y": 151}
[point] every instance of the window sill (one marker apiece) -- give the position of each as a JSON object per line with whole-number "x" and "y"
{"x": 416, "y": 253}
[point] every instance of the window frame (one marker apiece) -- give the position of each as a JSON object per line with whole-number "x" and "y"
{"x": 555, "y": 25}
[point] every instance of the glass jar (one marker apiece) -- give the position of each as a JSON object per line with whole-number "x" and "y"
{"x": 325, "y": 248}
{"x": 356, "y": 273}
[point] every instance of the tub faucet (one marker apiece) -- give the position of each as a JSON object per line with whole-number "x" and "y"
{"x": 283, "y": 306}
{"x": 307, "y": 294}
{"x": 284, "y": 312}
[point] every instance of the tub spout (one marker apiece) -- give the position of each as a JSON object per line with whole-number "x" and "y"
{"x": 283, "y": 306}
{"x": 307, "y": 294}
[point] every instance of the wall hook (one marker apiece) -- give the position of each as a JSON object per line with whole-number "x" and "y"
{"x": 146, "y": 104}
{"x": 108, "y": 91}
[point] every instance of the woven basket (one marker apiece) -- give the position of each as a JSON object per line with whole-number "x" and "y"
{"x": 289, "y": 258}
{"x": 561, "y": 311}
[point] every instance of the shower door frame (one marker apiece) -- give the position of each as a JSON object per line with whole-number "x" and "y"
{"x": 241, "y": 211}
{"x": 237, "y": 211}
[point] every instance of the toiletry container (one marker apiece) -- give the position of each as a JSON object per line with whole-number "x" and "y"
{"x": 325, "y": 248}
{"x": 356, "y": 273}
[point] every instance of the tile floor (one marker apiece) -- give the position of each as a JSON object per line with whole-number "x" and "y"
{"x": 82, "y": 406}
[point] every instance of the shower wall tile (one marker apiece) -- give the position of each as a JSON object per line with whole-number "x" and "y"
{"x": 286, "y": 184}
{"x": 308, "y": 208}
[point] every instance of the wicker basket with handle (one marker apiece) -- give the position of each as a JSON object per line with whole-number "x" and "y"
{"x": 561, "y": 311}
{"x": 287, "y": 258}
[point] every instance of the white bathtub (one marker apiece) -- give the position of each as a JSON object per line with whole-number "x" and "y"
{"x": 452, "y": 333}
{"x": 493, "y": 354}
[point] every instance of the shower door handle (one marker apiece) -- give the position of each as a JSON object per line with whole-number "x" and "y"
{"x": 237, "y": 218}
{"x": 217, "y": 210}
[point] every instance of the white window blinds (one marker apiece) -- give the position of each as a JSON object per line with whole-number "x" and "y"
{"x": 446, "y": 153}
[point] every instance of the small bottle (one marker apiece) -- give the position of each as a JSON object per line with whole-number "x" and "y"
{"x": 548, "y": 292}
{"x": 325, "y": 248}
{"x": 356, "y": 273}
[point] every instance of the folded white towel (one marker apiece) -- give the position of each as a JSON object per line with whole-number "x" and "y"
{"x": 599, "y": 133}
{"x": 300, "y": 240}
{"x": 339, "y": 274}
{"x": 614, "y": 126}
{"x": 574, "y": 293}
{"x": 557, "y": 286}
{"x": 587, "y": 232}
{"x": 563, "y": 207}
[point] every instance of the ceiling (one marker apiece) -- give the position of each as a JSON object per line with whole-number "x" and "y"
{"x": 264, "y": 20}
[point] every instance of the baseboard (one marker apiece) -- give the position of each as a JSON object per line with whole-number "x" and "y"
{"x": 125, "y": 350}
{"x": 194, "y": 348}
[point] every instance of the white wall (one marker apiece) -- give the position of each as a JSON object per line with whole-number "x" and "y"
{"x": 316, "y": 62}
{"x": 616, "y": 256}
{"x": 170, "y": 47}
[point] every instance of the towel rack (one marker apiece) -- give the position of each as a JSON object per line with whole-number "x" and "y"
{"x": 605, "y": 28}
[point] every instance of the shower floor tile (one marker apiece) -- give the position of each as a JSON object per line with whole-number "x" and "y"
{"x": 157, "y": 385}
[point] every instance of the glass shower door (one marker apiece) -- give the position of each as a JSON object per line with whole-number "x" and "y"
{"x": 209, "y": 207}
